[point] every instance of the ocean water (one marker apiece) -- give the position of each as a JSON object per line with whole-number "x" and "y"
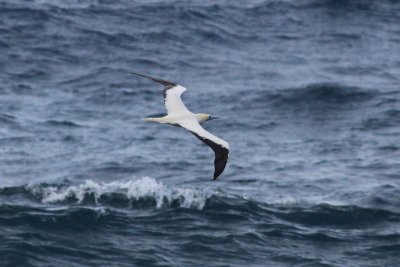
{"x": 309, "y": 99}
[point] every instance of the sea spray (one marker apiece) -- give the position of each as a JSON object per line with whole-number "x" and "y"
{"x": 134, "y": 190}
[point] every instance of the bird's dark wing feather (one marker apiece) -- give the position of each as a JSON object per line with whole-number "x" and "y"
{"x": 172, "y": 95}
{"x": 167, "y": 84}
{"x": 221, "y": 155}
{"x": 220, "y": 147}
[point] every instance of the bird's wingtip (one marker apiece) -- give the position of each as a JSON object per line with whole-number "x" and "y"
{"x": 163, "y": 82}
{"x": 139, "y": 74}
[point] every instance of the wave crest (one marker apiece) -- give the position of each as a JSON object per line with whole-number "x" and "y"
{"x": 142, "y": 192}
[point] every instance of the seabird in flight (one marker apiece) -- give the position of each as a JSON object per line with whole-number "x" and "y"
{"x": 179, "y": 115}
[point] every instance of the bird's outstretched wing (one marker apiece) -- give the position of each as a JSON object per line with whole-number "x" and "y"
{"x": 220, "y": 147}
{"x": 172, "y": 95}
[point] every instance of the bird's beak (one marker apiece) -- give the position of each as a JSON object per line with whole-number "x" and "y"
{"x": 213, "y": 118}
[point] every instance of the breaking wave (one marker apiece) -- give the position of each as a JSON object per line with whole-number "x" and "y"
{"x": 143, "y": 192}
{"x": 147, "y": 193}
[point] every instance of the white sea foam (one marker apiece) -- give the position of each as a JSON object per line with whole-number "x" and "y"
{"x": 135, "y": 190}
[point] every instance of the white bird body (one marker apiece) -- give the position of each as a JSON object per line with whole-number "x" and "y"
{"x": 175, "y": 118}
{"x": 179, "y": 115}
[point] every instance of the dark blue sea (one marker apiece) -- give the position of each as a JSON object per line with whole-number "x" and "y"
{"x": 308, "y": 95}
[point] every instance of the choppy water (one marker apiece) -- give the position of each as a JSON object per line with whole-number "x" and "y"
{"x": 309, "y": 96}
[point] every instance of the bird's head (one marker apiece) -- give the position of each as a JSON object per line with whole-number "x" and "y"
{"x": 202, "y": 117}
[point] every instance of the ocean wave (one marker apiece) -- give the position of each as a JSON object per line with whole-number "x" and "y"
{"x": 148, "y": 193}
{"x": 25, "y": 11}
{"x": 143, "y": 192}
{"x": 388, "y": 118}
{"x": 343, "y": 216}
{"x": 203, "y": 24}
{"x": 7, "y": 119}
{"x": 62, "y": 123}
{"x": 312, "y": 97}
{"x": 323, "y": 93}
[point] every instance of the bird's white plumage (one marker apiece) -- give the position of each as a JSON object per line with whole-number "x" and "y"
{"x": 179, "y": 115}
{"x": 192, "y": 125}
{"x": 173, "y": 101}
{"x": 185, "y": 118}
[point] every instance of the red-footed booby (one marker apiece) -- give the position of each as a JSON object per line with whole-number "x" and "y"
{"x": 179, "y": 115}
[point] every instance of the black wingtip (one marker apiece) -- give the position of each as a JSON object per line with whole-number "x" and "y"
{"x": 163, "y": 82}
{"x": 217, "y": 174}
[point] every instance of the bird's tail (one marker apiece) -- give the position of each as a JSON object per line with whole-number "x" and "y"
{"x": 153, "y": 119}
